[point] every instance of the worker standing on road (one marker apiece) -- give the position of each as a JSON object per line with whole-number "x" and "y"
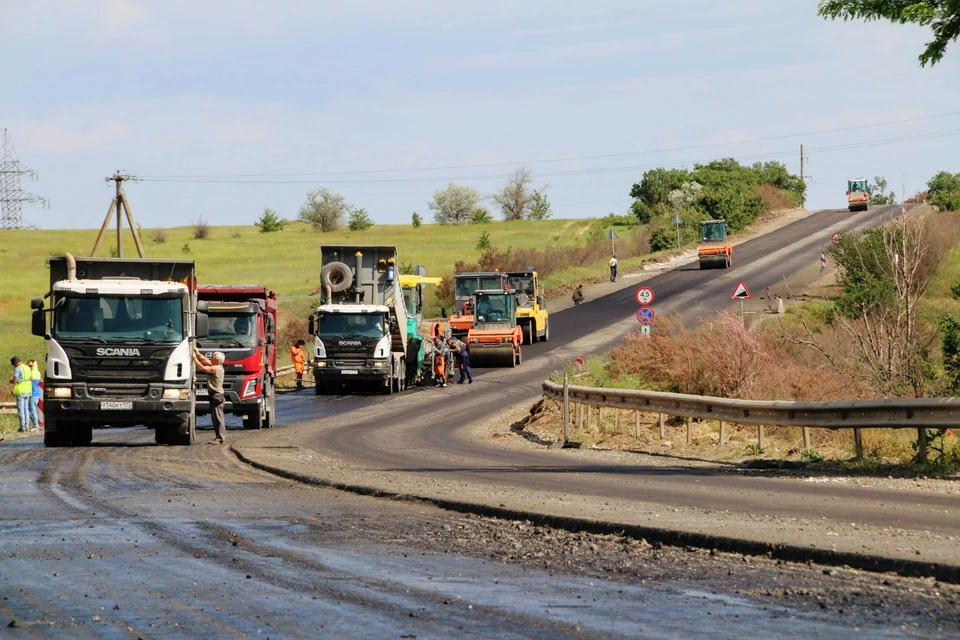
{"x": 213, "y": 367}
{"x": 439, "y": 362}
{"x": 22, "y": 390}
{"x": 463, "y": 360}
{"x": 36, "y": 393}
{"x": 613, "y": 268}
{"x": 299, "y": 359}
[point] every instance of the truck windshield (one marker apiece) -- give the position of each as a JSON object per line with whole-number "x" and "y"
{"x": 467, "y": 285}
{"x": 119, "y": 318}
{"x": 493, "y": 308}
{"x": 354, "y": 325}
{"x": 229, "y": 327}
{"x": 522, "y": 283}
{"x": 858, "y": 185}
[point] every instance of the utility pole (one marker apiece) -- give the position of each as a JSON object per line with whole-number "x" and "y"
{"x": 801, "y": 163}
{"x": 12, "y": 196}
{"x": 119, "y": 202}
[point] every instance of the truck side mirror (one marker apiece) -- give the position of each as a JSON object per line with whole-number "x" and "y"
{"x": 203, "y": 325}
{"x": 270, "y": 339}
{"x": 36, "y": 303}
{"x": 312, "y": 325}
{"x": 39, "y": 324}
{"x": 443, "y": 312}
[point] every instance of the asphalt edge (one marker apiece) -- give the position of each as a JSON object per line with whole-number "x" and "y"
{"x": 672, "y": 537}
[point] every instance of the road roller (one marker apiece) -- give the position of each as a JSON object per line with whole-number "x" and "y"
{"x": 494, "y": 339}
{"x": 714, "y": 250}
{"x": 467, "y": 284}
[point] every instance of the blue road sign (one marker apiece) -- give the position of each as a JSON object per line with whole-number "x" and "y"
{"x": 645, "y": 315}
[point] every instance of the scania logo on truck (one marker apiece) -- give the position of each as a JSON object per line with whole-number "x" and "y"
{"x": 118, "y": 351}
{"x": 349, "y": 343}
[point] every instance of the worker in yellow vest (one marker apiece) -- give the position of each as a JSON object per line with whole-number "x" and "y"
{"x": 22, "y": 390}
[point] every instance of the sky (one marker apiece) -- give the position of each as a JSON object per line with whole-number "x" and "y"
{"x": 223, "y": 108}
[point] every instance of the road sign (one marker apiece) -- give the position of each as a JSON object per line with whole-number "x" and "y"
{"x": 741, "y": 293}
{"x": 612, "y": 235}
{"x": 645, "y": 315}
{"x": 823, "y": 261}
{"x": 676, "y": 219}
{"x": 645, "y": 330}
{"x": 644, "y": 296}
{"x": 835, "y": 238}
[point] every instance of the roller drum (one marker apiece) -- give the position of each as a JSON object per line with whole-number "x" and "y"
{"x": 494, "y": 356}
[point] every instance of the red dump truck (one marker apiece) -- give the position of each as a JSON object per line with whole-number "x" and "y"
{"x": 243, "y": 325}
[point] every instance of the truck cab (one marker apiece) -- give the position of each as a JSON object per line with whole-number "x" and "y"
{"x": 532, "y": 315}
{"x": 242, "y": 325}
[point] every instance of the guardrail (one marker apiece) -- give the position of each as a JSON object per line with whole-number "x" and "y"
{"x": 890, "y": 413}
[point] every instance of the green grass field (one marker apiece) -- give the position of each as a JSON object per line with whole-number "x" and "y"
{"x": 287, "y": 261}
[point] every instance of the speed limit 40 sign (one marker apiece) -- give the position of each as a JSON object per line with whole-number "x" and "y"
{"x": 644, "y": 296}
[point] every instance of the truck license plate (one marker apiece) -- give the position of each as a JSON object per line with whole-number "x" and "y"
{"x": 349, "y": 372}
{"x": 123, "y": 406}
{"x": 202, "y": 392}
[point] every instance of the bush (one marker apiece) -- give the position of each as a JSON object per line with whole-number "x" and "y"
{"x": 159, "y": 236}
{"x": 481, "y": 216}
{"x": 185, "y": 248}
{"x": 484, "y": 241}
{"x": 955, "y": 289}
{"x": 417, "y": 220}
{"x": 947, "y": 201}
{"x": 324, "y": 209}
{"x": 661, "y": 240}
{"x": 360, "y": 220}
{"x": 269, "y": 222}
{"x": 293, "y": 329}
{"x": 641, "y": 211}
{"x": 201, "y": 230}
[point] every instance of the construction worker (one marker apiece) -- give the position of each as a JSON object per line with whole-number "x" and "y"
{"x": 459, "y": 350}
{"x": 299, "y": 359}
{"x": 613, "y": 268}
{"x": 439, "y": 362}
{"x": 578, "y": 295}
{"x": 37, "y": 393}
{"x": 22, "y": 390}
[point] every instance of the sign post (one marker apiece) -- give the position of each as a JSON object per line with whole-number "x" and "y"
{"x": 741, "y": 293}
{"x": 612, "y": 237}
{"x": 645, "y": 314}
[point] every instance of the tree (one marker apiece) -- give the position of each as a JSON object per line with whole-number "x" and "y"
{"x": 483, "y": 242}
{"x": 516, "y": 197}
{"x": 657, "y": 184}
{"x": 540, "y": 208}
{"x": 643, "y": 213}
{"x": 684, "y": 198}
{"x": 942, "y": 16}
{"x": 877, "y": 195}
{"x": 417, "y": 220}
{"x": 269, "y": 221}
{"x": 324, "y": 209}
{"x": 944, "y": 190}
{"x": 454, "y": 205}
{"x": 481, "y": 215}
{"x": 360, "y": 220}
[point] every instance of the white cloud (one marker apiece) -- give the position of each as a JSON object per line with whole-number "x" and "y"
{"x": 45, "y": 137}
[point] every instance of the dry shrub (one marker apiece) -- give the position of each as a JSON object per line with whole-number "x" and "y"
{"x": 774, "y": 199}
{"x": 920, "y": 197}
{"x": 291, "y": 330}
{"x": 201, "y": 229}
{"x": 159, "y": 236}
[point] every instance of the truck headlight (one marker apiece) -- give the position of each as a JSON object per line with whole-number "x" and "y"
{"x": 176, "y": 394}
{"x": 474, "y": 340}
{"x": 250, "y": 388}
{"x": 320, "y": 364}
{"x": 379, "y": 365}
{"x": 62, "y": 392}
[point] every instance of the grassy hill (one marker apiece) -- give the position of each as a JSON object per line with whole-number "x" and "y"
{"x": 287, "y": 261}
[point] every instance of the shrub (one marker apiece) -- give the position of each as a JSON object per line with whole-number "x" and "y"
{"x": 201, "y": 229}
{"x": 775, "y": 199}
{"x": 955, "y": 289}
{"x": 641, "y": 211}
{"x": 811, "y": 454}
{"x": 360, "y": 220}
{"x": 269, "y": 222}
{"x": 484, "y": 241}
{"x": 481, "y": 216}
{"x": 291, "y": 330}
{"x": 324, "y": 209}
{"x": 417, "y": 220}
{"x": 661, "y": 240}
{"x": 236, "y": 234}
{"x": 185, "y": 248}
{"x": 159, "y": 236}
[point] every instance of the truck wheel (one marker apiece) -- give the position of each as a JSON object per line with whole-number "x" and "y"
{"x": 729, "y": 261}
{"x": 253, "y": 420}
{"x": 527, "y": 333}
{"x": 546, "y": 331}
{"x": 518, "y": 359}
{"x": 82, "y": 436}
{"x": 337, "y": 276}
{"x": 271, "y": 407}
{"x": 319, "y": 388}
{"x": 54, "y": 438}
{"x": 180, "y": 435}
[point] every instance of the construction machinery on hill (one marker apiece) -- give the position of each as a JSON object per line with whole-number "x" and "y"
{"x": 532, "y": 315}
{"x": 494, "y": 339}
{"x": 465, "y": 286}
{"x": 714, "y": 250}
{"x": 858, "y": 194}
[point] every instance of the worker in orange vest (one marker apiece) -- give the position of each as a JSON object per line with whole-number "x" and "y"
{"x": 299, "y": 359}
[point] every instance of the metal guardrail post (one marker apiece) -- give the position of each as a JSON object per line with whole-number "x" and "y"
{"x": 663, "y": 433}
{"x": 723, "y": 432}
{"x": 761, "y": 441}
{"x": 636, "y": 423}
{"x": 566, "y": 409}
{"x": 858, "y": 443}
{"x": 921, "y": 444}
{"x": 806, "y": 438}
{"x": 689, "y": 431}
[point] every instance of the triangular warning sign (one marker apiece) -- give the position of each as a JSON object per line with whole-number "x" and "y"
{"x": 741, "y": 292}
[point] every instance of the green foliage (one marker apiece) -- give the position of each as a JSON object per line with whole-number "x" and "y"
{"x": 942, "y": 16}
{"x": 324, "y": 209}
{"x": 159, "y": 236}
{"x": 185, "y": 248}
{"x": 269, "y": 222}
{"x": 540, "y": 207}
{"x": 943, "y": 445}
{"x": 201, "y": 230}
{"x": 114, "y": 253}
{"x": 481, "y": 215}
{"x": 614, "y": 220}
{"x": 876, "y": 192}
{"x": 657, "y": 184}
{"x": 944, "y": 190}
{"x": 484, "y": 241}
{"x": 754, "y": 449}
{"x": 642, "y": 212}
{"x": 454, "y": 205}
{"x": 866, "y": 272}
{"x": 662, "y": 239}
{"x": 811, "y": 454}
{"x": 955, "y": 289}
{"x": 950, "y": 350}
{"x": 416, "y": 220}
{"x": 406, "y": 268}
{"x": 360, "y": 220}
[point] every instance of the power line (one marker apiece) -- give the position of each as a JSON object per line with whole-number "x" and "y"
{"x": 565, "y": 159}
{"x": 572, "y": 172}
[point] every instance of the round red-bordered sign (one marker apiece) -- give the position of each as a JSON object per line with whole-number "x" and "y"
{"x": 835, "y": 238}
{"x": 645, "y": 315}
{"x": 644, "y": 296}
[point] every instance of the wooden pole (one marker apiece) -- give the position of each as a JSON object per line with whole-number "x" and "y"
{"x": 858, "y": 443}
{"x": 589, "y": 415}
{"x": 723, "y": 432}
{"x": 119, "y": 201}
{"x": 806, "y": 438}
{"x": 761, "y": 441}
{"x": 616, "y": 421}
{"x": 689, "y": 431}
{"x": 662, "y": 431}
{"x": 636, "y": 424}
{"x": 922, "y": 445}
{"x": 103, "y": 228}
{"x": 566, "y": 409}
{"x": 133, "y": 225}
